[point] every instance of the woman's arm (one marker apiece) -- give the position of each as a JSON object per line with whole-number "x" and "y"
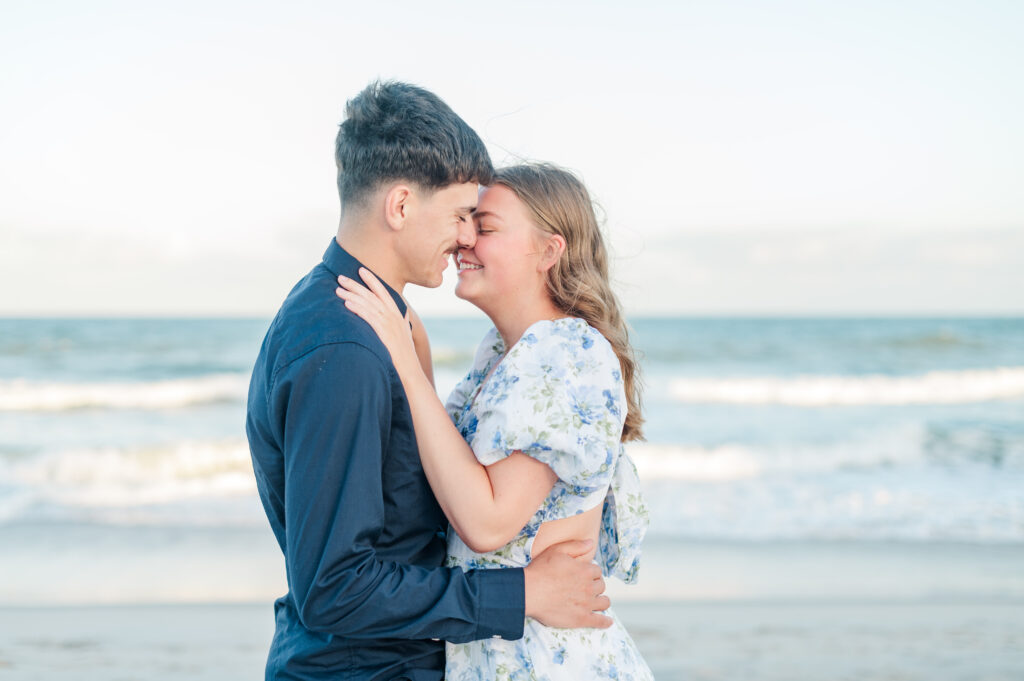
{"x": 422, "y": 344}
{"x": 487, "y": 505}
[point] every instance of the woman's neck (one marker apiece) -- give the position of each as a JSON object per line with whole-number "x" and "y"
{"x": 513, "y": 321}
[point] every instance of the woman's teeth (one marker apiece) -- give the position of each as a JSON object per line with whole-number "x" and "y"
{"x": 463, "y": 265}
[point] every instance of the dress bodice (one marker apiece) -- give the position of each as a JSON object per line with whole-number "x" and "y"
{"x": 556, "y": 395}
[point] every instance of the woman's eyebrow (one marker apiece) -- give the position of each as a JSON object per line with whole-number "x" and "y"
{"x": 485, "y": 213}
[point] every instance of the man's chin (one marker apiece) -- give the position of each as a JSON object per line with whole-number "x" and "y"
{"x": 432, "y": 281}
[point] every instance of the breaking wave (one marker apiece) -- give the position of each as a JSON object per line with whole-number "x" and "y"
{"x": 21, "y": 395}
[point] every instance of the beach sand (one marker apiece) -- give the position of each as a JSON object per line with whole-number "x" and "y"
{"x": 703, "y": 610}
{"x": 771, "y": 640}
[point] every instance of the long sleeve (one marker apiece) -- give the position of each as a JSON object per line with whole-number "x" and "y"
{"x": 333, "y": 408}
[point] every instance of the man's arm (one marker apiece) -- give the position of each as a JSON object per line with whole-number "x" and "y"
{"x": 334, "y": 407}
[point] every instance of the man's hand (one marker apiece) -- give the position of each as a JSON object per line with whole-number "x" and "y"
{"x": 563, "y": 588}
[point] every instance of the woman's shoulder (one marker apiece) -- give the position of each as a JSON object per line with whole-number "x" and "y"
{"x": 490, "y": 347}
{"x": 569, "y": 341}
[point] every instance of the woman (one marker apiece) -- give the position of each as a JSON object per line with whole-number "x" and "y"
{"x": 528, "y": 450}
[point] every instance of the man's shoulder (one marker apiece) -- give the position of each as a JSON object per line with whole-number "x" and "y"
{"x": 311, "y": 318}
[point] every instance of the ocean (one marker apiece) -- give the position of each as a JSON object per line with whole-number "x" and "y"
{"x": 125, "y": 475}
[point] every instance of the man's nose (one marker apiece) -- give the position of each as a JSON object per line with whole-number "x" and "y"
{"x": 467, "y": 234}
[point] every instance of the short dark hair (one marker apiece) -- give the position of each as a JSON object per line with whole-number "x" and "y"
{"x": 397, "y": 131}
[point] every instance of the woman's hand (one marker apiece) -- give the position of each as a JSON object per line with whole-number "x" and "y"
{"x": 374, "y": 304}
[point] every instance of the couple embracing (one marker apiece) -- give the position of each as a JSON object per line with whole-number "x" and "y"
{"x": 469, "y": 540}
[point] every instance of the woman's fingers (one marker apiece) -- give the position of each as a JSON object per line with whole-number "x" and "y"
{"x": 376, "y": 307}
{"x": 374, "y": 304}
{"x": 366, "y": 312}
{"x": 354, "y": 287}
{"x": 374, "y": 284}
{"x": 362, "y": 301}
{"x": 372, "y": 290}
{"x": 349, "y": 289}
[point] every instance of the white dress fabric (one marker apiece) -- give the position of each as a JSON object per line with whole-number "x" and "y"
{"x": 557, "y": 396}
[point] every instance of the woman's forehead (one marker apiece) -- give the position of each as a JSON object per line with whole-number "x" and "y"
{"x": 500, "y": 202}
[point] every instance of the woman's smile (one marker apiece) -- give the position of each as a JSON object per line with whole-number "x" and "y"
{"x": 464, "y": 265}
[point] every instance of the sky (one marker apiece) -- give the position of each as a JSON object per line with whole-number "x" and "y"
{"x": 754, "y": 158}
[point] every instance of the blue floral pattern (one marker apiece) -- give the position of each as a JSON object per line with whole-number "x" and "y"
{"x": 556, "y": 395}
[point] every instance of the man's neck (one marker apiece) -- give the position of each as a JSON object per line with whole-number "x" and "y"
{"x": 377, "y": 257}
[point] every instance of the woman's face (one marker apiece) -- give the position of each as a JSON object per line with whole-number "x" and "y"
{"x": 503, "y": 266}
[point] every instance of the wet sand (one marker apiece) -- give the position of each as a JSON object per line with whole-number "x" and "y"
{"x": 774, "y": 641}
{"x": 776, "y": 611}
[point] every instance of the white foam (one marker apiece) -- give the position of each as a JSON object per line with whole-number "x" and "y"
{"x": 899, "y": 504}
{"x": 882, "y": 485}
{"x": 126, "y": 478}
{"x": 668, "y": 462}
{"x": 21, "y": 395}
{"x": 934, "y": 387}
{"x": 896, "y": 446}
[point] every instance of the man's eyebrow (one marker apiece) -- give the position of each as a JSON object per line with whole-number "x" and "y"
{"x": 466, "y": 210}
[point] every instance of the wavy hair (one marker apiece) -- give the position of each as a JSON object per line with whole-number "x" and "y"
{"x": 579, "y": 283}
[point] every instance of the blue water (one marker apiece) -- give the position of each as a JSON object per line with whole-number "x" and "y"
{"x": 894, "y": 429}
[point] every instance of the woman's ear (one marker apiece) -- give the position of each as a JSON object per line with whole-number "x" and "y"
{"x": 554, "y": 247}
{"x": 396, "y": 206}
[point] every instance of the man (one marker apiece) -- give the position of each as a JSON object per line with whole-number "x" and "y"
{"x": 331, "y": 434}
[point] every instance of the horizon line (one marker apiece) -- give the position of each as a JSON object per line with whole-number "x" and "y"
{"x": 806, "y": 315}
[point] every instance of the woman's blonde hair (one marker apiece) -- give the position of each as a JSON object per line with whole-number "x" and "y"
{"x": 578, "y": 283}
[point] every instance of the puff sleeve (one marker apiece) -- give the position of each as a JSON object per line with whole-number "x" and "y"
{"x": 557, "y": 397}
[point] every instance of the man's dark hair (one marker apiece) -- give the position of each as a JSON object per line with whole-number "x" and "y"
{"x": 396, "y": 131}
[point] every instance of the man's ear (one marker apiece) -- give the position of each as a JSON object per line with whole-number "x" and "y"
{"x": 396, "y": 206}
{"x": 554, "y": 247}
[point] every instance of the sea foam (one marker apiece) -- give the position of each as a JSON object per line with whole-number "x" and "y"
{"x": 22, "y": 395}
{"x": 125, "y": 478}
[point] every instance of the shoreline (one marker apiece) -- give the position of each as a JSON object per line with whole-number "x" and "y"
{"x": 712, "y": 641}
{"x": 197, "y": 606}
{"x": 178, "y": 565}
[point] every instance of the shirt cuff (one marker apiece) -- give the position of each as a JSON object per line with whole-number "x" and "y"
{"x": 503, "y": 604}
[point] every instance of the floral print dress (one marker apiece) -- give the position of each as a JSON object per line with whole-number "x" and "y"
{"x": 556, "y": 395}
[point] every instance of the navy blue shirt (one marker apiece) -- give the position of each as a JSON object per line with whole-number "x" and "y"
{"x": 339, "y": 474}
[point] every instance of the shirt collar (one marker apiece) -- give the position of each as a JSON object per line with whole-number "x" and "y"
{"x": 340, "y": 261}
